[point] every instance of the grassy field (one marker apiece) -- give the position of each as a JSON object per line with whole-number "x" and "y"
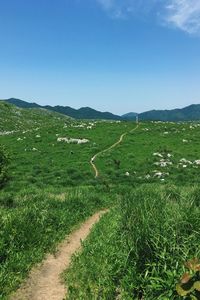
{"x": 150, "y": 180}
{"x": 39, "y": 159}
{"x": 167, "y": 148}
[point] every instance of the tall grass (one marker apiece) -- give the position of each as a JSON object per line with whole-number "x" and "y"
{"x": 33, "y": 221}
{"x": 157, "y": 230}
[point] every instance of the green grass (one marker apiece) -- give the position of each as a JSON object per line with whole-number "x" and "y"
{"x": 52, "y": 189}
{"x": 139, "y": 248}
{"x": 38, "y": 159}
{"x": 136, "y": 154}
{"x": 34, "y": 221}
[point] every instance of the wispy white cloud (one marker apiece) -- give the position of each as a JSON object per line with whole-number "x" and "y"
{"x": 107, "y": 4}
{"x": 182, "y": 14}
{"x": 124, "y": 8}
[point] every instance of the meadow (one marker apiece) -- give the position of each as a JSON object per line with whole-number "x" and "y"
{"x": 149, "y": 181}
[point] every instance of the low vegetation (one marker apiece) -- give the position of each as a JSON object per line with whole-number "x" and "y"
{"x": 149, "y": 181}
{"x": 33, "y": 221}
{"x": 138, "y": 250}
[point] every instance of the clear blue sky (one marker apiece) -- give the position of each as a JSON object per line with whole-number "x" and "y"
{"x": 112, "y": 55}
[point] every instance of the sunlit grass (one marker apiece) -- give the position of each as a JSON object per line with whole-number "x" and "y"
{"x": 138, "y": 250}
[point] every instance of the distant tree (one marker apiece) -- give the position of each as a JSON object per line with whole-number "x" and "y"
{"x": 4, "y": 161}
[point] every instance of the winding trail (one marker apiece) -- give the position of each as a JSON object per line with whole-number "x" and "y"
{"x": 44, "y": 282}
{"x": 109, "y": 148}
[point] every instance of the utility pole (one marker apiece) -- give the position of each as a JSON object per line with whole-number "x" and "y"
{"x": 137, "y": 119}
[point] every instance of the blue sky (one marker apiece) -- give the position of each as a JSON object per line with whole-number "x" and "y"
{"x": 112, "y": 55}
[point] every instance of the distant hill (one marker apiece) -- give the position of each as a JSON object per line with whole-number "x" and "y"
{"x": 21, "y": 103}
{"x": 82, "y": 113}
{"x": 129, "y": 116}
{"x": 189, "y": 113}
{"x": 18, "y": 118}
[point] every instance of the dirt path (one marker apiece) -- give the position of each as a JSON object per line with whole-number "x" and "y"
{"x": 107, "y": 149}
{"x": 44, "y": 281}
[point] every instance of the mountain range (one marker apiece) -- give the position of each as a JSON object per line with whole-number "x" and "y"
{"x": 189, "y": 113}
{"x": 82, "y": 113}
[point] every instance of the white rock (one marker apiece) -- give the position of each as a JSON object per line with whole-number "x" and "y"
{"x": 7, "y": 132}
{"x": 72, "y": 140}
{"x": 183, "y": 160}
{"x": 157, "y": 154}
{"x": 158, "y": 174}
{"x": 82, "y": 141}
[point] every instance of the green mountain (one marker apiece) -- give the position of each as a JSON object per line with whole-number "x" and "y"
{"x": 82, "y": 113}
{"x": 129, "y": 116}
{"x": 21, "y": 103}
{"x": 189, "y": 113}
